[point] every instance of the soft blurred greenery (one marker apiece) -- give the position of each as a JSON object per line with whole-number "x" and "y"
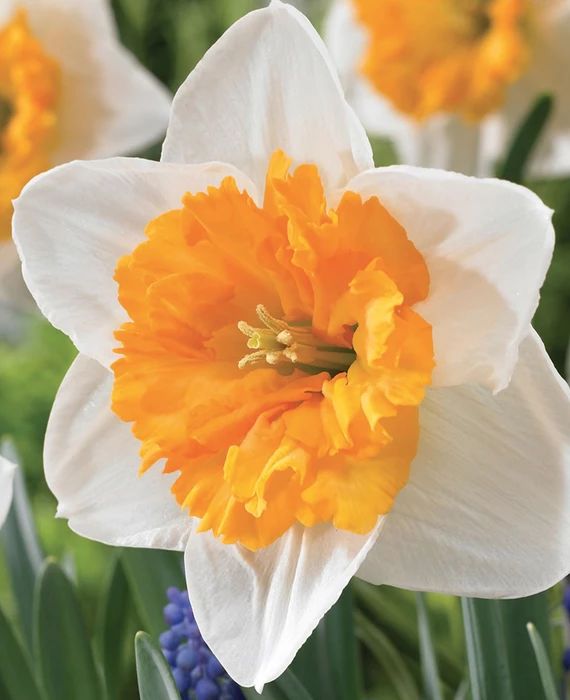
{"x": 170, "y": 37}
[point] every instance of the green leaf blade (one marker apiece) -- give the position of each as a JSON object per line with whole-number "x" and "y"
{"x": 430, "y": 672}
{"x": 16, "y": 675}
{"x": 541, "y": 655}
{"x": 23, "y": 552}
{"x": 113, "y": 627}
{"x": 150, "y": 573}
{"x": 388, "y": 657}
{"x": 286, "y": 687}
{"x": 525, "y": 140}
{"x": 487, "y": 652}
{"x": 66, "y": 663}
{"x": 153, "y": 673}
{"x": 342, "y": 649}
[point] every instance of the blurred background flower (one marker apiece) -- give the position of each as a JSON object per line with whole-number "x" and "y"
{"x": 68, "y": 89}
{"x": 449, "y": 82}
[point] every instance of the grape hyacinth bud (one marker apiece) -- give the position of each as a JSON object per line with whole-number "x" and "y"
{"x": 196, "y": 671}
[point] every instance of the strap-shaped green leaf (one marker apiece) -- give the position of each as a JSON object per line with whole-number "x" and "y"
{"x": 153, "y": 673}
{"x": 342, "y": 648}
{"x": 286, "y": 687}
{"x": 149, "y": 573}
{"x": 388, "y": 657}
{"x": 487, "y": 650}
{"x": 525, "y": 140}
{"x": 23, "y": 552}
{"x": 63, "y": 650}
{"x": 16, "y": 675}
{"x": 548, "y": 683}
{"x": 114, "y": 628}
{"x": 430, "y": 673}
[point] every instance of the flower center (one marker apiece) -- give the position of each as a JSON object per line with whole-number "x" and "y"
{"x": 445, "y": 55}
{"x": 286, "y": 346}
{"x": 29, "y": 93}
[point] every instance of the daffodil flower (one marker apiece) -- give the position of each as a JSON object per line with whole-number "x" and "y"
{"x": 7, "y": 471}
{"x": 68, "y": 89}
{"x": 294, "y": 366}
{"x": 450, "y": 81}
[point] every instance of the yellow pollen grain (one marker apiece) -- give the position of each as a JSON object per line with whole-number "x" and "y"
{"x": 29, "y": 95}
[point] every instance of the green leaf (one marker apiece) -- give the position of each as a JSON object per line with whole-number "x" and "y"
{"x": 62, "y": 646}
{"x": 430, "y": 673}
{"x": 113, "y": 628}
{"x": 286, "y": 687}
{"x": 16, "y": 675}
{"x": 501, "y": 658}
{"x": 153, "y": 673}
{"x": 516, "y": 614}
{"x": 23, "y": 552}
{"x": 341, "y": 646}
{"x": 525, "y": 140}
{"x": 548, "y": 682}
{"x": 462, "y": 693}
{"x": 149, "y": 573}
{"x": 312, "y": 665}
{"x": 487, "y": 651}
{"x": 388, "y": 657}
{"x": 394, "y": 611}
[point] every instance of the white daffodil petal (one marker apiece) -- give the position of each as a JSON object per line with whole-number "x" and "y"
{"x": 486, "y": 510}
{"x": 110, "y": 104}
{"x": 72, "y": 224}
{"x": 255, "y": 609}
{"x": 267, "y": 84}
{"x": 7, "y": 471}
{"x": 91, "y": 463}
{"x": 487, "y": 244}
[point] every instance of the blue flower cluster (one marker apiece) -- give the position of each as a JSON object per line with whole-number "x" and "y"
{"x": 197, "y": 672}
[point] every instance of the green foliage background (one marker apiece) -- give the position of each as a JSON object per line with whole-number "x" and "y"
{"x": 170, "y": 37}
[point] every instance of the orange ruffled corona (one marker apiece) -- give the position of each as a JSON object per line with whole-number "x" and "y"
{"x": 453, "y": 56}
{"x": 29, "y": 92}
{"x": 273, "y": 358}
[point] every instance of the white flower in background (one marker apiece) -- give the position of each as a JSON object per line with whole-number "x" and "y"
{"x": 277, "y": 308}
{"x": 7, "y": 471}
{"x": 449, "y": 82}
{"x": 68, "y": 89}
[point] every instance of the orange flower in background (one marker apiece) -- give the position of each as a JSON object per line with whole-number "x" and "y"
{"x": 68, "y": 89}
{"x": 278, "y": 369}
{"x": 432, "y": 56}
{"x": 29, "y": 94}
{"x": 449, "y": 81}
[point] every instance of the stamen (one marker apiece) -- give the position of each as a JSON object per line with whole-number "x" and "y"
{"x": 285, "y": 346}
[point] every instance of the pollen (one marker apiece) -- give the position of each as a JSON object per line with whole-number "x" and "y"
{"x": 273, "y": 359}
{"x": 445, "y": 56}
{"x": 29, "y": 95}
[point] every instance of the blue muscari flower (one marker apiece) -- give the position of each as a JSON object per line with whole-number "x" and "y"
{"x": 196, "y": 671}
